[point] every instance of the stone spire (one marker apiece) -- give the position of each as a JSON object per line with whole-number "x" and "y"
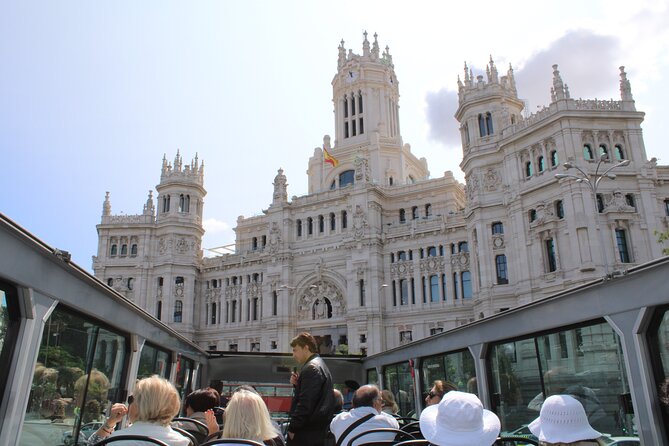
{"x": 375, "y": 48}
{"x": 625, "y": 87}
{"x": 494, "y": 78}
{"x": 558, "y": 85}
{"x": 365, "y": 45}
{"x": 341, "y": 61}
{"x": 106, "y": 206}
{"x": 468, "y": 77}
{"x": 149, "y": 208}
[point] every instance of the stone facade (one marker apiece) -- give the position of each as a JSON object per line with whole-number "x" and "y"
{"x": 378, "y": 253}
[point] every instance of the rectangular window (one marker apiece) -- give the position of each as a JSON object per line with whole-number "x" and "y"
{"x": 344, "y": 219}
{"x": 413, "y": 291}
{"x": 275, "y": 299}
{"x": 434, "y": 288}
{"x": 346, "y": 130}
{"x": 404, "y": 292}
{"x": 353, "y": 132}
{"x": 394, "y": 294}
{"x": 456, "y": 286}
{"x": 234, "y": 311}
{"x": 621, "y": 241}
{"x": 213, "y": 313}
{"x": 466, "y": 285}
{"x": 399, "y": 378}
{"x": 360, "y": 105}
{"x": 551, "y": 264}
{"x": 255, "y": 308}
{"x": 362, "y": 126}
{"x": 500, "y": 266}
{"x": 424, "y": 280}
{"x": 443, "y": 285}
{"x": 666, "y": 207}
{"x": 361, "y": 285}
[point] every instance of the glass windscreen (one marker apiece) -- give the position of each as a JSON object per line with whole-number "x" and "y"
{"x": 585, "y": 362}
{"x": 153, "y": 361}
{"x": 77, "y": 377}
{"x": 398, "y": 378}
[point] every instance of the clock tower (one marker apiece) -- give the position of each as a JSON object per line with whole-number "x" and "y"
{"x": 365, "y": 93}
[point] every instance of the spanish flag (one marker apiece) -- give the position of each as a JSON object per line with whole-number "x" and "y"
{"x": 329, "y": 158}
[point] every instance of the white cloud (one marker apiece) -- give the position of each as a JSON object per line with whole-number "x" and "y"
{"x": 214, "y": 226}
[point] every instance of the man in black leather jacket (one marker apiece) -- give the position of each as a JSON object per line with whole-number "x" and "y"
{"x": 313, "y": 400}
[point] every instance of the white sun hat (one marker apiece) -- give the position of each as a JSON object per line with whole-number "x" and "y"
{"x": 562, "y": 420}
{"x": 459, "y": 420}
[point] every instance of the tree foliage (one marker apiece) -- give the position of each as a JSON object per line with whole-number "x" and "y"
{"x": 661, "y": 238}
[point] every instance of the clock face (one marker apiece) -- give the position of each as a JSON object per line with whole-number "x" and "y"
{"x": 351, "y": 76}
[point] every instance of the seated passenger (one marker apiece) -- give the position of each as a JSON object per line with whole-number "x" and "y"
{"x": 389, "y": 405}
{"x": 367, "y": 404}
{"x": 247, "y": 417}
{"x": 563, "y": 421}
{"x": 197, "y": 403}
{"x": 459, "y": 420}
{"x": 438, "y": 390}
{"x": 339, "y": 401}
{"x": 150, "y": 409}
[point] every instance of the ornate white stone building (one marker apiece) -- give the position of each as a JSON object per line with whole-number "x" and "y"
{"x": 378, "y": 253}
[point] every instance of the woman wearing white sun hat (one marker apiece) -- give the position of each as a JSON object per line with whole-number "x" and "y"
{"x": 459, "y": 420}
{"x": 562, "y": 421}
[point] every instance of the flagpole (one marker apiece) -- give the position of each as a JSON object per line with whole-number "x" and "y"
{"x": 323, "y": 171}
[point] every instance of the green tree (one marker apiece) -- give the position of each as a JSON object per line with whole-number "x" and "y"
{"x": 661, "y": 238}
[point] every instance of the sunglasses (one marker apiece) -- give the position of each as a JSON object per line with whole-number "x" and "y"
{"x": 131, "y": 399}
{"x": 432, "y": 395}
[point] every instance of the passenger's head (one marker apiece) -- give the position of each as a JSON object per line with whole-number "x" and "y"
{"x": 438, "y": 390}
{"x": 201, "y": 400}
{"x": 247, "y": 387}
{"x": 368, "y": 396}
{"x": 459, "y": 420}
{"x": 562, "y": 419}
{"x": 246, "y": 416}
{"x": 155, "y": 400}
{"x": 339, "y": 401}
{"x": 389, "y": 400}
{"x": 303, "y": 345}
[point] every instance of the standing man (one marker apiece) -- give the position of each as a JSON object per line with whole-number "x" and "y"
{"x": 313, "y": 400}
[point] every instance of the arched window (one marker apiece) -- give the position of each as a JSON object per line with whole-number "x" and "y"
{"x": 587, "y": 152}
{"x": 390, "y": 181}
{"x": 414, "y": 213}
{"x": 554, "y": 158}
{"x": 488, "y": 123}
{"x": 346, "y": 178}
{"x": 110, "y": 282}
{"x": 603, "y": 151}
{"x": 402, "y": 216}
{"x": 401, "y": 256}
{"x": 166, "y": 203}
{"x": 178, "y": 309}
{"x": 533, "y": 215}
{"x": 360, "y": 104}
{"x": 298, "y": 223}
{"x": 114, "y": 250}
{"x": 497, "y": 227}
{"x": 551, "y": 264}
{"x": 540, "y": 164}
{"x": 124, "y": 249}
{"x": 500, "y": 268}
{"x": 310, "y": 226}
{"x": 431, "y": 251}
{"x": 482, "y": 126}
{"x": 321, "y": 224}
{"x": 619, "y": 152}
{"x": 333, "y": 221}
{"x": 254, "y": 243}
{"x": 182, "y": 203}
{"x": 528, "y": 169}
{"x": 428, "y": 210}
{"x": 133, "y": 249}
{"x": 600, "y": 203}
{"x": 345, "y": 107}
{"x": 352, "y": 105}
{"x": 130, "y": 283}
{"x": 463, "y": 247}
{"x": 344, "y": 219}
{"x": 160, "y": 281}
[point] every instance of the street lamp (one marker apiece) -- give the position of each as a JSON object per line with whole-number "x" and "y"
{"x": 593, "y": 182}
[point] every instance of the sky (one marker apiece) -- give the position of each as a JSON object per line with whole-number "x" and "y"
{"x": 93, "y": 94}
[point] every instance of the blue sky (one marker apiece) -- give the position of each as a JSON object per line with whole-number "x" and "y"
{"x": 92, "y": 94}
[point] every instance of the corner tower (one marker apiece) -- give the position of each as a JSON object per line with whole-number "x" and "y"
{"x": 365, "y": 93}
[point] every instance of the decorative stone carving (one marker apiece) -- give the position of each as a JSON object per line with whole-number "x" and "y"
{"x": 322, "y": 300}
{"x": 280, "y": 187}
{"x": 401, "y": 269}
{"x": 359, "y": 223}
{"x": 491, "y": 180}
{"x": 432, "y": 265}
{"x": 275, "y": 238}
{"x": 617, "y": 203}
{"x": 361, "y": 165}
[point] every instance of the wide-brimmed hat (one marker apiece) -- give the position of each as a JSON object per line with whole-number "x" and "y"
{"x": 459, "y": 420}
{"x": 353, "y": 385}
{"x": 562, "y": 419}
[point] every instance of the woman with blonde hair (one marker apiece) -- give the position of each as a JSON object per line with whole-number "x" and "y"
{"x": 150, "y": 409}
{"x": 389, "y": 405}
{"x": 247, "y": 417}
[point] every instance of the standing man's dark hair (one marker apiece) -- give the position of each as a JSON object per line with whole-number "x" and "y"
{"x": 313, "y": 400}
